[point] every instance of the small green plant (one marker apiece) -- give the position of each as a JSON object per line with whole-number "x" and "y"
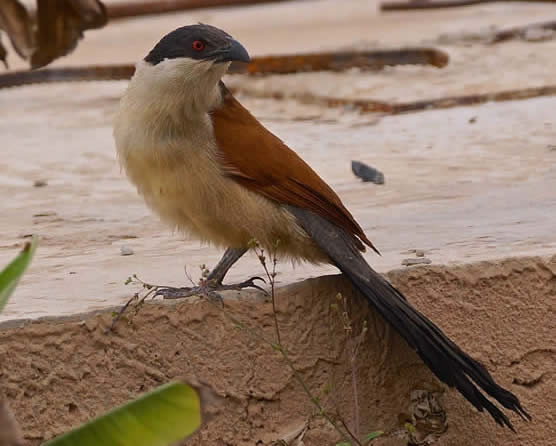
{"x": 351, "y": 436}
{"x": 354, "y": 339}
{"x": 10, "y": 275}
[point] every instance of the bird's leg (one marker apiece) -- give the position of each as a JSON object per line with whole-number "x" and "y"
{"x": 230, "y": 257}
{"x": 213, "y": 282}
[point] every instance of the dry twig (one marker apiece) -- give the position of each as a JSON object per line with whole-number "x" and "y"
{"x": 281, "y": 348}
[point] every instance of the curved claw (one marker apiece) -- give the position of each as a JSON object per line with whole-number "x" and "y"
{"x": 251, "y": 280}
{"x": 208, "y": 289}
{"x": 250, "y": 283}
{"x": 177, "y": 293}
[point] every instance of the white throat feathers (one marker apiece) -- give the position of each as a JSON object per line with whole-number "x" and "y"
{"x": 181, "y": 88}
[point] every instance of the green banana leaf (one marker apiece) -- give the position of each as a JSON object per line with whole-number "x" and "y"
{"x": 10, "y": 275}
{"x": 166, "y": 415}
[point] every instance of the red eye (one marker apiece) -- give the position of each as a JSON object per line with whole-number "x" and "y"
{"x": 198, "y": 45}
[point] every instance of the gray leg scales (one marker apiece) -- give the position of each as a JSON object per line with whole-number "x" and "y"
{"x": 213, "y": 282}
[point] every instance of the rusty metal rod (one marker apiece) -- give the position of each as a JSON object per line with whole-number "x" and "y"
{"x": 364, "y": 106}
{"x": 66, "y": 74}
{"x": 474, "y": 99}
{"x": 341, "y": 60}
{"x": 332, "y": 61}
{"x": 438, "y": 4}
{"x": 426, "y": 4}
{"x": 118, "y": 11}
{"x": 393, "y": 108}
{"x": 511, "y": 33}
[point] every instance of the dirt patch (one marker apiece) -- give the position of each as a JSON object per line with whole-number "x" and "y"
{"x": 59, "y": 373}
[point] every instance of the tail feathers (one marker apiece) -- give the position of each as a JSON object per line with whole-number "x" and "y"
{"x": 446, "y": 360}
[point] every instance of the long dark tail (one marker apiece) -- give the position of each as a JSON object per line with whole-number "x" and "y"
{"x": 447, "y": 361}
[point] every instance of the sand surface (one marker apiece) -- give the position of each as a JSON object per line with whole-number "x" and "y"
{"x": 460, "y": 191}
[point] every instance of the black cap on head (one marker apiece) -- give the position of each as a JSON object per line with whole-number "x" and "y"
{"x": 199, "y": 42}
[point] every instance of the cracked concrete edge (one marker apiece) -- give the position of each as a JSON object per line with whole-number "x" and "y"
{"x": 253, "y": 294}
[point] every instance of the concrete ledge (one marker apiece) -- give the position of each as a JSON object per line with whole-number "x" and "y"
{"x": 57, "y": 373}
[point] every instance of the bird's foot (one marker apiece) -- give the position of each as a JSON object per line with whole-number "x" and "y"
{"x": 207, "y": 288}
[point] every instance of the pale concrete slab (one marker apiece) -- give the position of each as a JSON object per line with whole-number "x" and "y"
{"x": 461, "y": 191}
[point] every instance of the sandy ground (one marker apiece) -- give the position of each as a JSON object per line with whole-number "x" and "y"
{"x": 57, "y": 375}
{"x": 461, "y": 191}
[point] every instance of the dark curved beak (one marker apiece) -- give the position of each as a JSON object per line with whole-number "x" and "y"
{"x": 234, "y": 52}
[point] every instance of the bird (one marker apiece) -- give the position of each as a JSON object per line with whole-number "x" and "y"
{"x": 209, "y": 168}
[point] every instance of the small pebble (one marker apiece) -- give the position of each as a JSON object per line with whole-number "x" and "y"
{"x": 40, "y": 183}
{"x": 367, "y": 173}
{"x": 419, "y": 253}
{"x": 473, "y": 120}
{"x": 418, "y": 261}
{"x": 126, "y": 250}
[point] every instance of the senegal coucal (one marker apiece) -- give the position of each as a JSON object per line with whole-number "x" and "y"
{"x": 210, "y": 168}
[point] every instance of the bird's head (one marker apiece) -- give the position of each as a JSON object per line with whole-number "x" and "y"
{"x": 197, "y": 44}
{"x": 193, "y": 57}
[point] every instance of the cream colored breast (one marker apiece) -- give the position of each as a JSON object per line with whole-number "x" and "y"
{"x": 170, "y": 158}
{"x": 169, "y": 164}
